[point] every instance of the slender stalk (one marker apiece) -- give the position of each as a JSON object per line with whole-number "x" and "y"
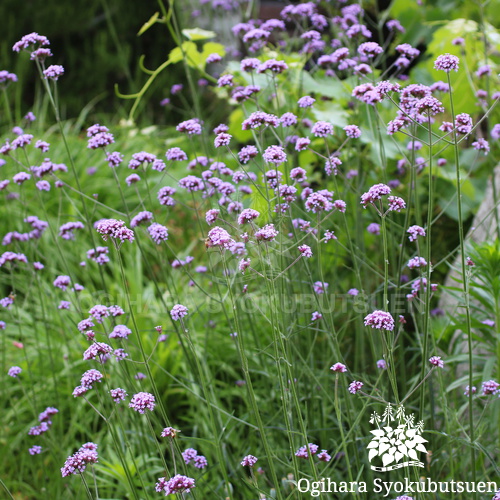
{"x": 465, "y": 286}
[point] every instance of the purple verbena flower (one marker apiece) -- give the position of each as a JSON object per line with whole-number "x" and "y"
{"x": 178, "y": 312}
{"x": 142, "y": 401}
{"x": 380, "y": 320}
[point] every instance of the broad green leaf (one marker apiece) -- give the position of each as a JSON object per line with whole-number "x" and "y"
{"x": 193, "y": 57}
{"x": 198, "y": 34}
{"x": 213, "y": 48}
{"x": 235, "y": 120}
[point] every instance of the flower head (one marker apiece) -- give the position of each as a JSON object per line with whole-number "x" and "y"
{"x": 446, "y": 62}
{"x": 355, "y": 386}
{"x": 380, "y": 320}
{"x": 339, "y": 368}
{"x": 249, "y": 461}
{"x": 176, "y": 484}
{"x": 142, "y": 401}
{"x": 436, "y": 361}
{"x": 178, "y": 312}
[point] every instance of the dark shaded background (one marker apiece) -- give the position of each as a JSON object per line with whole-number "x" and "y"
{"x": 96, "y": 41}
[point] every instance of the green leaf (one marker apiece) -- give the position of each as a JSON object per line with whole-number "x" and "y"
{"x": 235, "y": 120}
{"x": 193, "y": 57}
{"x": 152, "y": 20}
{"x": 213, "y": 48}
{"x": 198, "y": 34}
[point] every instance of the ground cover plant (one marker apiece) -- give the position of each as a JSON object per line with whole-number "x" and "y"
{"x": 247, "y": 302}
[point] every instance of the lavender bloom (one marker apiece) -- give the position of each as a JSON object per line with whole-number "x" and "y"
{"x": 339, "y": 368}
{"x": 21, "y": 141}
{"x": 222, "y": 139}
{"x": 11, "y": 257}
{"x": 43, "y": 185}
{"x": 66, "y": 231}
{"x": 90, "y": 377}
{"x": 21, "y": 177}
{"x": 352, "y": 131}
{"x": 355, "y": 386}
{"x": 77, "y": 463}
{"x": 189, "y": 455}
{"x": 169, "y": 432}
{"x": 142, "y": 401}
{"x": 288, "y": 120}
{"x": 259, "y": 118}
{"x": 374, "y": 193}
{"x": 267, "y": 233}
{"x": 495, "y": 131}
{"x": 200, "y": 462}
{"x": 463, "y": 123}
{"x": 323, "y": 456}
{"x": 118, "y": 395}
{"x": 436, "y": 361}
{"x": 481, "y": 144}
{"x": 316, "y": 316}
{"x": 247, "y": 216}
{"x": 306, "y": 102}
{"x": 249, "y": 64}
{"x": 446, "y": 62}
{"x": 176, "y": 154}
{"x": 115, "y": 229}
{"x": 158, "y": 233}
{"x": 219, "y": 237}
{"x": 317, "y": 202}
{"x": 165, "y": 196}
{"x": 370, "y": 49}
{"x": 213, "y": 58}
{"x": 246, "y": 153}
{"x": 140, "y": 218}
{"x": 176, "y": 484}
{"x": 39, "y": 429}
{"x": 298, "y": 174}
{"x": 7, "y": 78}
{"x": 191, "y": 183}
{"x": 322, "y": 129}
{"x": 429, "y": 105}
{"x": 225, "y": 81}
{"x": 380, "y": 320}
{"x": 490, "y": 387}
{"x": 381, "y": 364}
{"x": 417, "y": 262}
{"x": 305, "y": 251}
{"x": 249, "y": 461}
{"x": 272, "y": 65}
{"x": 301, "y": 143}
{"x": 332, "y": 164}
{"x": 190, "y": 127}
{"x": 320, "y": 287}
{"x": 64, "y": 304}
{"x": 120, "y": 332}
{"x": 53, "y": 72}
{"x": 396, "y": 204}
{"x": 35, "y": 450}
{"x": 31, "y": 39}
{"x": 178, "y": 312}
{"x": 274, "y": 154}
{"x": 62, "y": 282}
{"x": 14, "y": 371}
{"x": 394, "y": 25}
{"x": 414, "y": 232}
{"x": 303, "y": 451}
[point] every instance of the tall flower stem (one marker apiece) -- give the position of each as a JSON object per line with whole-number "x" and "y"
{"x": 426, "y": 325}
{"x": 465, "y": 284}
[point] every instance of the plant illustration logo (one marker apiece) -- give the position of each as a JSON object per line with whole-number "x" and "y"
{"x": 397, "y": 440}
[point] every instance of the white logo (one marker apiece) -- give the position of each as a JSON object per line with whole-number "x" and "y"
{"x": 396, "y": 441}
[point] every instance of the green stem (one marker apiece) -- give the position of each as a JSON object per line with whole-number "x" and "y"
{"x": 465, "y": 283}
